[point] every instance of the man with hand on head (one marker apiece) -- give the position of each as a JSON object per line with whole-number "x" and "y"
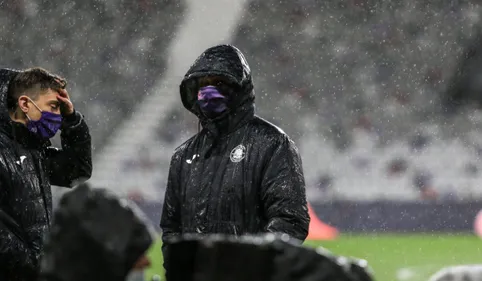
{"x": 34, "y": 105}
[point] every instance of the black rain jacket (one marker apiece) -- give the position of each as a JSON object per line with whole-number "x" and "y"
{"x": 240, "y": 174}
{"x": 28, "y": 166}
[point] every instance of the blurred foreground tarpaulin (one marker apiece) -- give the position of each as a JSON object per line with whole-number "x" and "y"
{"x": 249, "y": 258}
{"x": 95, "y": 236}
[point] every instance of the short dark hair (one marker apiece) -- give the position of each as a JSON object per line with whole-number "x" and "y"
{"x": 30, "y": 82}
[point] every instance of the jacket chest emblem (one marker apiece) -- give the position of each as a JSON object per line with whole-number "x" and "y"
{"x": 238, "y": 153}
{"x": 189, "y": 161}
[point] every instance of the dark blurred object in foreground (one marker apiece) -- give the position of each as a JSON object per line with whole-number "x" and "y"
{"x": 253, "y": 258}
{"x": 95, "y": 236}
{"x": 465, "y": 86}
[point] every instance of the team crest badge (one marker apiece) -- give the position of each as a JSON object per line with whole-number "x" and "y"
{"x": 238, "y": 153}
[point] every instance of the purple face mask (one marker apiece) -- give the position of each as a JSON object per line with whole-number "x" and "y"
{"x": 47, "y": 126}
{"x": 211, "y": 101}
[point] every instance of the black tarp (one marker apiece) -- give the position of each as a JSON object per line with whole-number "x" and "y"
{"x": 251, "y": 258}
{"x": 94, "y": 236}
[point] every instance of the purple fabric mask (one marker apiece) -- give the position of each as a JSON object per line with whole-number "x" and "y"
{"x": 211, "y": 101}
{"x": 47, "y": 126}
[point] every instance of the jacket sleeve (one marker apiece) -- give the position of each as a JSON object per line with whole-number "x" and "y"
{"x": 74, "y": 161}
{"x": 283, "y": 195}
{"x": 16, "y": 258}
{"x": 171, "y": 209}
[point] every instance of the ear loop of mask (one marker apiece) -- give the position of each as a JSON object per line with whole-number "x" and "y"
{"x": 28, "y": 117}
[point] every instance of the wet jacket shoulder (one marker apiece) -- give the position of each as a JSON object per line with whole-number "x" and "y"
{"x": 283, "y": 196}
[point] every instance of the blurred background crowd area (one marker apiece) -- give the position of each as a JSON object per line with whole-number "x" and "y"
{"x": 110, "y": 51}
{"x": 382, "y": 97}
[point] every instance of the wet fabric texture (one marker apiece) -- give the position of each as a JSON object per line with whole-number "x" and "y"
{"x": 262, "y": 257}
{"x": 95, "y": 236}
{"x": 28, "y": 165}
{"x": 240, "y": 174}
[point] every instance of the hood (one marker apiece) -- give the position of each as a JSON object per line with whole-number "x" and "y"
{"x": 95, "y": 236}
{"x": 222, "y": 60}
{"x": 6, "y": 76}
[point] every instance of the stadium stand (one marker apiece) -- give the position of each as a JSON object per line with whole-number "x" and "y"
{"x": 364, "y": 81}
{"x": 110, "y": 51}
{"x": 359, "y": 85}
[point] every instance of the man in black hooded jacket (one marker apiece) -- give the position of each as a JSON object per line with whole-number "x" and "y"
{"x": 240, "y": 174}
{"x": 33, "y": 106}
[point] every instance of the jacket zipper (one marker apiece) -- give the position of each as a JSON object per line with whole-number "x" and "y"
{"x": 41, "y": 171}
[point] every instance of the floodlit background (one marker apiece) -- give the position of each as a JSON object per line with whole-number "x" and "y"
{"x": 382, "y": 97}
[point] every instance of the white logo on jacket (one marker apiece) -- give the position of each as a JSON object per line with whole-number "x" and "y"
{"x": 21, "y": 159}
{"x": 238, "y": 153}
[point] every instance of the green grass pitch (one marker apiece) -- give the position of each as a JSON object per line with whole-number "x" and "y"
{"x": 392, "y": 257}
